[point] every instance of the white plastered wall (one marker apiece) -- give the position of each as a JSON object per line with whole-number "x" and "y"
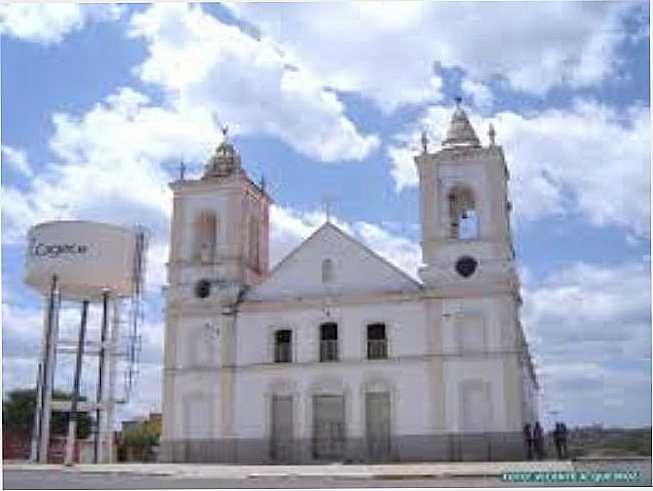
{"x": 405, "y": 378}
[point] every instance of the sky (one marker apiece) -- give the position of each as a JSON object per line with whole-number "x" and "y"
{"x": 100, "y": 104}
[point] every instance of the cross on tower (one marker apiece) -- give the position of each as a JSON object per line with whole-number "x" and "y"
{"x": 328, "y": 200}
{"x": 425, "y": 142}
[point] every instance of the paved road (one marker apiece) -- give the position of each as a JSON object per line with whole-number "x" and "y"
{"x": 69, "y": 480}
{"x": 57, "y": 479}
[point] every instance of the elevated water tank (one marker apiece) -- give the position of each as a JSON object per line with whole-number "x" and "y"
{"x": 86, "y": 257}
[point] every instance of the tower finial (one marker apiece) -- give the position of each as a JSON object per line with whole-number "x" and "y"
{"x": 225, "y": 131}
{"x": 492, "y": 134}
{"x": 182, "y": 170}
{"x": 460, "y": 132}
{"x": 459, "y": 101}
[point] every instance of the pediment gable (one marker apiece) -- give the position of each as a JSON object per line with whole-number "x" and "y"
{"x": 355, "y": 269}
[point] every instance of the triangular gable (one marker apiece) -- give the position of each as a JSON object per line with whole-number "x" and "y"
{"x": 356, "y": 269}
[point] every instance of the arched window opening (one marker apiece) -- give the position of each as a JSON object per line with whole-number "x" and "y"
{"x": 283, "y": 346}
{"x": 327, "y": 271}
{"x": 462, "y": 214}
{"x": 377, "y": 341}
{"x": 329, "y": 341}
{"x": 254, "y": 246}
{"x": 205, "y": 236}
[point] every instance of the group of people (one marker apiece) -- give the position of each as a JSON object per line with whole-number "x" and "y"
{"x": 534, "y": 440}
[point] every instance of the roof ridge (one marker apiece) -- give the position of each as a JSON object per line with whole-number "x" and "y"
{"x": 377, "y": 255}
{"x": 354, "y": 240}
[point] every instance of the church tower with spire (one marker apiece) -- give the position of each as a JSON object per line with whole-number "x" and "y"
{"x": 220, "y": 225}
{"x": 471, "y": 285}
{"x": 219, "y": 247}
{"x": 465, "y": 213}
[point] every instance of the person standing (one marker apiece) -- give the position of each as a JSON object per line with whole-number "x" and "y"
{"x": 538, "y": 437}
{"x": 563, "y": 440}
{"x": 557, "y": 440}
{"x": 528, "y": 441}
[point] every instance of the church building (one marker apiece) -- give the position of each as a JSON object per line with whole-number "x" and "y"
{"x": 335, "y": 354}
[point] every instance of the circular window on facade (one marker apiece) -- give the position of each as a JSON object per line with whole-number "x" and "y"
{"x": 466, "y": 266}
{"x": 202, "y": 288}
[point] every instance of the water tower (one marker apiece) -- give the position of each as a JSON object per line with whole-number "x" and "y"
{"x": 87, "y": 263}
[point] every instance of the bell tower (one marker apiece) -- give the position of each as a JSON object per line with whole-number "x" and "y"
{"x": 218, "y": 247}
{"x": 219, "y": 233}
{"x": 471, "y": 285}
{"x": 464, "y": 210}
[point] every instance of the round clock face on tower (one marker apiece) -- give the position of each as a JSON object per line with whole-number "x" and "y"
{"x": 466, "y": 266}
{"x": 202, "y": 288}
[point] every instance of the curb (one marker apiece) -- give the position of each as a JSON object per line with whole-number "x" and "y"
{"x": 388, "y": 472}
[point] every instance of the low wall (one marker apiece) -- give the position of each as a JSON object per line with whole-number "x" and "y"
{"x": 405, "y": 448}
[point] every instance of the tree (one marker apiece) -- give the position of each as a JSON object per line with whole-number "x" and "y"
{"x": 142, "y": 439}
{"x": 18, "y": 409}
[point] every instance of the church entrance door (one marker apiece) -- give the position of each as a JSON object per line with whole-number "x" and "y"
{"x": 377, "y": 420}
{"x": 282, "y": 429}
{"x": 328, "y": 427}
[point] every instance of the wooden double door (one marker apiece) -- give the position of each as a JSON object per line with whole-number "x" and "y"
{"x": 329, "y": 427}
{"x": 377, "y": 425}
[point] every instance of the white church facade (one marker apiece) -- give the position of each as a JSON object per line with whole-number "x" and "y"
{"x": 336, "y": 354}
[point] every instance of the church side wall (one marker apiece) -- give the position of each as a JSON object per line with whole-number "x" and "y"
{"x": 484, "y": 365}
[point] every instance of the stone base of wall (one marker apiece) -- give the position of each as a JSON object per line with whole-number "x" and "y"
{"x": 404, "y": 448}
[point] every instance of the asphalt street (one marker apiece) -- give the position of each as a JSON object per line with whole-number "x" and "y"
{"x": 69, "y": 480}
{"x": 62, "y": 479}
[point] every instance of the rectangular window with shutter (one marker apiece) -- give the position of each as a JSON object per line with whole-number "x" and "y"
{"x": 329, "y": 341}
{"x": 283, "y": 346}
{"x": 377, "y": 342}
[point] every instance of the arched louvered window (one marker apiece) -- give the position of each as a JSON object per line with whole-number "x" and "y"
{"x": 463, "y": 215}
{"x": 205, "y": 236}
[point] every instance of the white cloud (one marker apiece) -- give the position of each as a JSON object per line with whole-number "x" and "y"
{"x": 48, "y": 23}
{"x": 363, "y": 47}
{"x": 401, "y": 251}
{"x": 479, "y": 92}
{"x": 201, "y": 62}
{"x": 108, "y": 166}
{"x": 16, "y": 158}
{"x": 590, "y": 159}
{"x": 288, "y": 228}
{"x": 387, "y": 51}
{"x": 589, "y": 326}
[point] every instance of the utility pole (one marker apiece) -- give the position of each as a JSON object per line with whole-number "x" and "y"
{"x": 45, "y": 380}
{"x": 97, "y": 448}
{"x": 72, "y": 420}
